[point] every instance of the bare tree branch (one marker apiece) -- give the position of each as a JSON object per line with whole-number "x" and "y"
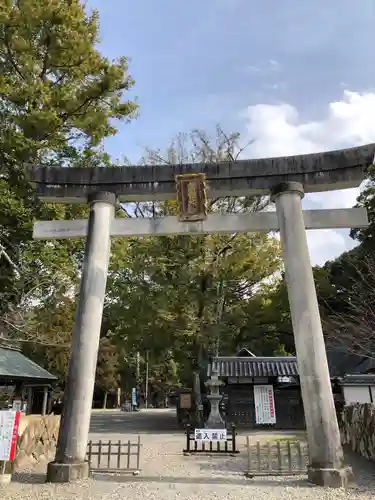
{"x": 353, "y": 325}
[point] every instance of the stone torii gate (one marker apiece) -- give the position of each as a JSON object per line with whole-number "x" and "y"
{"x": 286, "y": 179}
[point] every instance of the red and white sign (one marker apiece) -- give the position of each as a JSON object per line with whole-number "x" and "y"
{"x": 9, "y": 423}
{"x": 264, "y": 404}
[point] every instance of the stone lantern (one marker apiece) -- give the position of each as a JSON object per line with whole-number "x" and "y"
{"x": 214, "y": 420}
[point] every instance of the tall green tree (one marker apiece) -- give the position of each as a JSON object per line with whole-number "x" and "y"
{"x": 59, "y": 99}
{"x": 367, "y": 200}
{"x": 47, "y": 334}
{"x": 177, "y": 296}
{"x": 349, "y": 310}
{"x": 181, "y": 298}
{"x": 108, "y": 368}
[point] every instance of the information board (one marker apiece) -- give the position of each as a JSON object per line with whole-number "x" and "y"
{"x": 9, "y": 423}
{"x": 264, "y": 404}
{"x": 185, "y": 401}
{"x": 210, "y": 435}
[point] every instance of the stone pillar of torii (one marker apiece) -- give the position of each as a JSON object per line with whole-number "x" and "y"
{"x": 285, "y": 180}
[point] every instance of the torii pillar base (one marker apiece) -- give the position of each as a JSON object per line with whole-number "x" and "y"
{"x": 331, "y": 478}
{"x": 67, "y": 473}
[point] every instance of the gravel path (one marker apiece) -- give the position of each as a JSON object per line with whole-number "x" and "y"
{"x": 167, "y": 474}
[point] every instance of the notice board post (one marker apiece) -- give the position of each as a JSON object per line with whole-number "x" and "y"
{"x": 9, "y": 424}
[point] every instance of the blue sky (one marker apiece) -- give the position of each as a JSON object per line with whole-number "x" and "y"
{"x": 269, "y": 69}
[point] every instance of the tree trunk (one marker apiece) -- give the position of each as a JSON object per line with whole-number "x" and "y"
{"x": 197, "y": 399}
{"x": 198, "y": 348}
{"x": 105, "y": 400}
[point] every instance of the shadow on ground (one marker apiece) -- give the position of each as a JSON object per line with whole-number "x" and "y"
{"x": 142, "y": 422}
{"x": 236, "y": 481}
{"x": 29, "y": 477}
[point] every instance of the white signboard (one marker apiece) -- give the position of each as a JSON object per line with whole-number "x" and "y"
{"x": 264, "y": 404}
{"x": 9, "y": 422}
{"x": 134, "y": 396}
{"x": 210, "y": 435}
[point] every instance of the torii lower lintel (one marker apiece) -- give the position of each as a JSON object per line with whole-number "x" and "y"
{"x": 231, "y": 223}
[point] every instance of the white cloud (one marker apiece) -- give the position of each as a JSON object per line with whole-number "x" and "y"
{"x": 326, "y": 244}
{"x": 279, "y": 131}
{"x": 268, "y": 66}
{"x": 274, "y": 64}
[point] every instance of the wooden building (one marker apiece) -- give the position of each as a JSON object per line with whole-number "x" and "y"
{"x": 24, "y": 385}
{"x": 352, "y": 378}
{"x": 358, "y": 388}
{"x": 253, "y": 383}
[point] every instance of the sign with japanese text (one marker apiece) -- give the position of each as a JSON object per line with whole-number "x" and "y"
{"x": 210, "y": 435}
{"x": 191, "y": 196}
{"x": 9, "y": 423}
{"x": 264, "y": 404}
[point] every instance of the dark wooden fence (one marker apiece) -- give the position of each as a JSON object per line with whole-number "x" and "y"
{"x": 114, "y": 456}
{"x": 280, "y": 458}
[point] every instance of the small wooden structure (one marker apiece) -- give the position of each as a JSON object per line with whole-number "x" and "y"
{"x": 24, "y": 385}
{"x": 358, "y": 388}
{"x": 245, "y": 374}
{"x": 184, "y": 402}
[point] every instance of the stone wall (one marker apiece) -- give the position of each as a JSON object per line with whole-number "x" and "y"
{"x": 358, "y": 429}
{"x": 37, "y": 437}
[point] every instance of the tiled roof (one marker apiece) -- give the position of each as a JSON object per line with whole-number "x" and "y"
{"x": 254, "y": 367}
{"x": 358, "y": 379}
{"x": 14, "y": 364}
{"x": 342, "y": 361}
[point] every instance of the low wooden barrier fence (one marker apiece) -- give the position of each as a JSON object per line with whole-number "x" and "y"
{"x": 210, "y": 441}
{"x": 114, "y": 456}
{"x": 280, "y": 458}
